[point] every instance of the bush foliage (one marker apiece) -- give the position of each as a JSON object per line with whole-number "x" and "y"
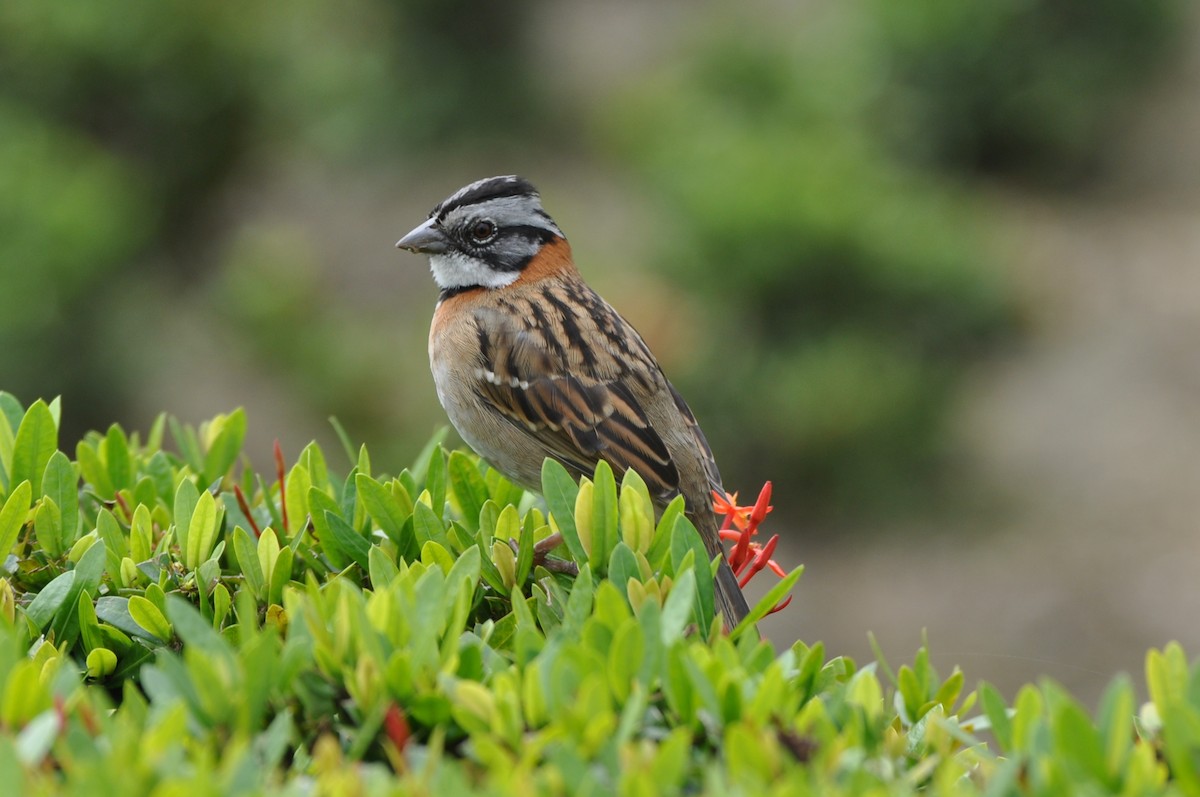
{"x": 170, "y": 625}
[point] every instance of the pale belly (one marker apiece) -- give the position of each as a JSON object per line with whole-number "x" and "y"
{"x": 510, "y": 450}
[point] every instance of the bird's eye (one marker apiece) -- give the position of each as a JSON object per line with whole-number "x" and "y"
{"x": 483, "y": 230}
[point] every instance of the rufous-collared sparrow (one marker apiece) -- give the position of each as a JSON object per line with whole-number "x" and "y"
{"x": 529, "y": 362}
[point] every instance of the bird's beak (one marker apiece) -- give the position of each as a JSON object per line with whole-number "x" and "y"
{"x": 427, "y": 239}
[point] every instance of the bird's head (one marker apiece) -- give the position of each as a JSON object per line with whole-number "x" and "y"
{"x": 484, "y": 234}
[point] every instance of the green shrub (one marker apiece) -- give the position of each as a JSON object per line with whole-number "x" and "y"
{"x": 169, "y": 625}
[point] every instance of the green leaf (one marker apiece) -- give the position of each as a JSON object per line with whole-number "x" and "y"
{"x": 624, "y": 659}
{"x": 622, "y": 566}
{"x": 89, "y": 625}
{"x": 997, "y": 714}
{"x": 149, "y": 618}
{"x": 192, "y": 628}
{"x": 427, "y": 526}
{"x": 88, "y": 571}
{"x": 246, "y": 551}
{"x": 47, "y": 528}
{"x": 686, "y": 540}
{"x": 202, "y": 531}
{"x": 637, "y": 512}
{"x": 384, "y": 508}
{"x": 298, "y": 483}
{"x": 560, "y": 491}
{"x": 348, "y": 541}
{"x": 225, "y": 447}
{"x": 435, "y": 481}
{"x": 348, "y": 506}
{"x": 524, "y": 552}
{"x": 45, "y": 604}
{"x": 114, "y": 537}
{"x": 141, "y": 534}
{"x": 13, "y": 515}
{"x": 93, "y": 470}
{"x": 678, "y": 607}
{"x": 61, "y": 484}
{"x": 222, "y": 601}
{"x": 11, "y": 410}
{"x": 120, "y": 463}
{"x": 1116, "y": 713}
{"x": 189, "y": 446}
{"x": 911, "y": 692}
{"x": 320, "y": 505}
{"x": 579, "y": 604}
{"x": 761, "y": 609}
{"x": 380, "y": 568}
{"x": 186, "y": 498}
{"x": 604, "y": 516}
{"x": 7, "y": 441}
{"x": 114, "y": 610}
{"x": 36, "y": 441}
{"x": 281, "y": 574}
{"x": 468, "y": 490}
{"x": 660, "y": 546}
{"x": 1077, "y": 741}
{"x": 1027, "y": 717}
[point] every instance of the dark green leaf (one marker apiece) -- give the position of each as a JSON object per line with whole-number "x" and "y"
{"x": 46, "y": 603}
{"x": 61, "y": 484}
{"x": 120, "y": 463}
{"x": 246, "y": 551}
{"x": 560, "y": 491}
{"x": 427, "y": 526}
{"x": 352, "y": 544}
{"x": 384, "y": 508}
{"x": 684, "y": 540}
{"x": 622, "y": 566}
{"x": 186, "y": 498}
{"x": 524, "y": 554}
{"x": 468, "y": 490}
{"x": 435, "y": 481}
{"x": 320, "y": 507}
{"x": 193, "y": 629}
{"x": 114, "y": 610}
{"x": 87, "y": 578}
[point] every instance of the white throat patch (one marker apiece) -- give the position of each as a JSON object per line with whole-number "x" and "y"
{"x": 456, "y": 270}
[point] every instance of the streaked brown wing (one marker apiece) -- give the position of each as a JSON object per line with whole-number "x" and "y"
{"x": 577, "y": 415}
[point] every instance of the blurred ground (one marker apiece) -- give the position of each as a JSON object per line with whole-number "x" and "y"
{"x": 1088, "y": 435}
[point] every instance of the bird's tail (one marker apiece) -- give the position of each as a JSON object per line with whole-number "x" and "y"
{"x": 730, "y": 600}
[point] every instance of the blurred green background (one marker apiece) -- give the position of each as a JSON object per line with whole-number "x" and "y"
{"x": 808, "y": 210}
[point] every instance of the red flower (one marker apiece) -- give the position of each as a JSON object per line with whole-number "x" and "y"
{"x": 748, "y": 558}
{"x": 396, "y": 727}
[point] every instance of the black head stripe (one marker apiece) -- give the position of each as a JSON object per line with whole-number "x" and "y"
{"x": 482, "y": 191}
